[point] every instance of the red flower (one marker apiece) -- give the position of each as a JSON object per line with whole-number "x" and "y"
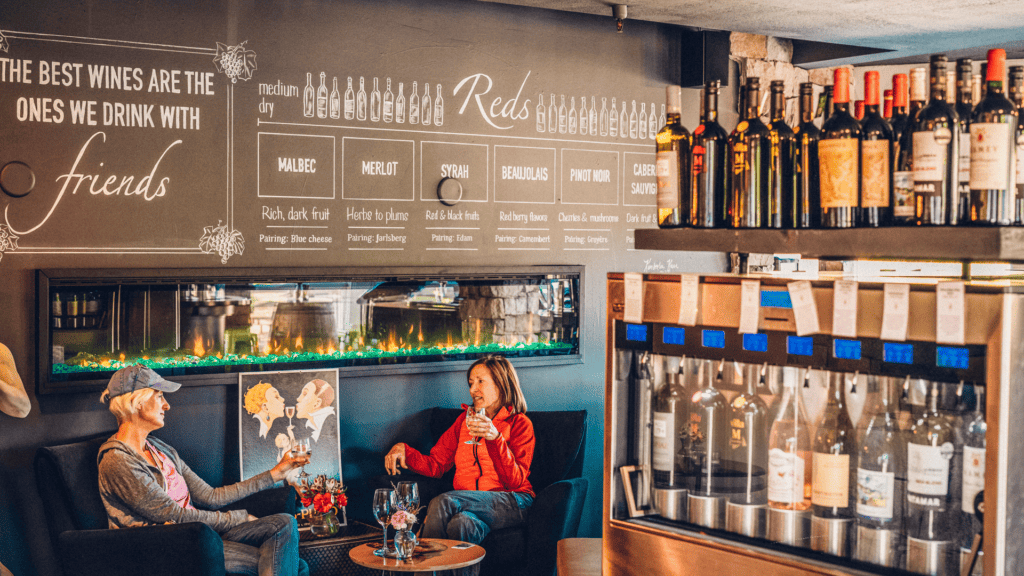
{"x": 341, "y": 499}
{"x": 306, "y": 501}
{"x": 323, "y": 503}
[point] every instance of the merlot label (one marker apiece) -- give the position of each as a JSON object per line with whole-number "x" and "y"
{"x": 927, "y": 473}
{"x": 663, "y": 454}
{"x": 903, "y": 194}
{"x": 667, "y": 171}
{"x": 785, "y": 477}
{"x": 830, "y": 484}
{"x": 874, "y": 184}
{"x": 838, "y": 163}
{"x": 875, "y": 493}
{"x": 929, "y": 163}
{"x": 991, "y": 154}
{"x": 974, "y": 476}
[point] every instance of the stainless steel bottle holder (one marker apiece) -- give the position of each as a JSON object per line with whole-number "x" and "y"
{"x": 671, "y": 503}
{"x": 707, "y": 511}
{"x": 746, "y": 519}
{"x": 929, "y": 556}
{"x": 879, "y": 547}
{"x": 791, "y": 527}
{"x": 831, "y": 535}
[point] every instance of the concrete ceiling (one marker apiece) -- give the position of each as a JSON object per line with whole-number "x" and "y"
{"x": 911, "y": 29}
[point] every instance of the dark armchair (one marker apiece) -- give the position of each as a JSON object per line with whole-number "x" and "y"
{"x": 67, "y": 479}
{"x": 555, "y": 474}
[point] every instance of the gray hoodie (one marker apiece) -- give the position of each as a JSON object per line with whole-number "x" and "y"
{"x": 134, "y": 492}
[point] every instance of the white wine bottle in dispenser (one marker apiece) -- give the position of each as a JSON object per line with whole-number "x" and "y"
{"x": 668, "y": 459}
{"x": 834, "y": 477}
{"x": 747, "y": 461}
{"x": 789, "y": 466}
{"x": 973, "y": 434}
{"x": 707, "y": 433}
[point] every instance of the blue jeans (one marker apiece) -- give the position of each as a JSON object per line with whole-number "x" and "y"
{"x": 268, "y": 546}
{"x": 470, "y": 515}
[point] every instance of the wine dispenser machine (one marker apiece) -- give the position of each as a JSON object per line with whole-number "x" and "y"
{"x": 771, "y": 426}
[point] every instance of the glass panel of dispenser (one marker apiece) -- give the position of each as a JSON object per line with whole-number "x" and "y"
{"x": 876, "y": 469}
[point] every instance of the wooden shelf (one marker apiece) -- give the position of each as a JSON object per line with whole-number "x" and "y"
{"x": 914, "y": 243}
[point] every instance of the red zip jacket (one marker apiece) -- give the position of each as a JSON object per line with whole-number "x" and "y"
{"x": 502, "y": 464}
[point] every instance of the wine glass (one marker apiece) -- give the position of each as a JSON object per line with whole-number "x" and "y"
{"x": 471, "y": 413}
{"x": 289, "y": 411}
{"x": 383, "y": 501}
{"x": 408, "y": 495}
{"x": 301, "y": 448}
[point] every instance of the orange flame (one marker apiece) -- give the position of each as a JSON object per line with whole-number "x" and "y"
{"x": 198, "y": 348}
{"x": 298, "y": 342}
{"x": 121, "y": 357}
{"x": 476, "y": 339}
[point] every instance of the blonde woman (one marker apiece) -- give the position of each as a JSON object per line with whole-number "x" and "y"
{"x": 13, "y": 398}
{"x": 144, "y": 482}
{"x": 265, "y": 404}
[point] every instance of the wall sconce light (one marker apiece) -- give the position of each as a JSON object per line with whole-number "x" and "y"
{"x": 619, "y": 13}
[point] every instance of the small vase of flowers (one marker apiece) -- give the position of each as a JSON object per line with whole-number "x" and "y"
{"x": 325, "y": 500}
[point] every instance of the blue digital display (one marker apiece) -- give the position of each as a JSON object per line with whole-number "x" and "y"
{"x": 755, "y": 342}
{"x": 898, "y": 353}
{"x": 800, "y": 345}
{"x": 846, "y": 349}
{"x": 951, "y": 357}
{"x": 673, "y": 335}
{"x": 713, "y": 338}
{"x": 636, "y": 332}
{"x": 776, "y": 299}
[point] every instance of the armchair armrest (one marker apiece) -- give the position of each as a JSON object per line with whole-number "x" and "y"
{"x": 555, "y": 515}
{"x": 170, "y": 550}
{"x": 270, "y": 501}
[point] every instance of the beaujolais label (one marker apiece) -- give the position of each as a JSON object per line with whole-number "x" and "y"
{"x": 874, "y": 187}
{"x": 830, "y": 481}
{"x": 875, "y": 491}
{"x": 837, "y": 161}
{"x": 667, "y": 171}
{"x": 991, "y": 155}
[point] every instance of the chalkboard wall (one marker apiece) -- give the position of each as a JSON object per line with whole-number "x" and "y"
{"x": 209, "y": 135}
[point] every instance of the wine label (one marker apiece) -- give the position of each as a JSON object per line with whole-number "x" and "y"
{"x": 838, "y": 164}
{"x": 844, "y": 308}
{"x": 805, "y": 311}
{"x": 830, "y": 480}
{"x": 875, "y": 493}
{"x": 1020, "y": 161}
{"x": 698, "y": 157}
{"x": 895, "y": 312}
{"x": 930, "y": 161}
{"x": 965, "y": 157}
{"x": 739, "y": 153}
{"x": 927, "y": 475}
{"x": 785, "y": 477}
{"x": 667, "y": 170}
{"x": 903, "y": 194}
{"x": 737, "y": 437}
{"x": 949, "y": 312}
{"x": 974, "y": 476}
{"x": 875, "y": 167}
{"x": 634, "y": 305}
{"x": 689, "y": 299}
{"x": 991, "y": 154}
{"x": 663, "y": 453}
{"x": 750, "y": 306}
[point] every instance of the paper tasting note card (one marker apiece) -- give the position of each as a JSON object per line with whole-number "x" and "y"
{"x": 805, "y": 312}
{"x": 634, "y": 312}
{"x": 750, "y": 306}
{"x": 895, "y": 312}
{"x": 689, "y": 300}
{"x": 844, "y": 308}
{"x": 949, "y": 313}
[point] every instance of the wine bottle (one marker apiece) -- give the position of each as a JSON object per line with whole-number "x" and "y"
{"x": 438, "y": 108}
{"x": 426, "y": 107}
{"x": 931, "y": 513}
{"x": 632, "y": 122}
{"x": 321, "y": 97}
{"x": 806, "y": 195}
{"x": 918, "y": 91}
{"x": 1017, "y": 97}
{"x": 887, "y": 105}
{"x": 604, "y": 116}
{"x": 976, "y": 89}
{"x": 839, "y": 159}
{"x": 553, "y": 116}
{"x": 789, "y": 452}
{"x": 309, "y": 97}
{"x": 584, "y": 122}
{"x": 781, "y": 171}
{"x": 748, "y": 440}
{"x": 674, "y": 148}
{"x": 573, "y": 115}
{"x": 414, "y": 105}
{"x": 709, "y": 208}
{"x": 858, "y": 110}
{"x": 750, "y": 157}
{"x": 834, "y": 446}
{"x": 641, "y": 128}
{"x": 670, "y": 411}
{"x": 400, "y": 104}
{"x": 984, "y": 85}
{"x": 936, "y": 153}
{"x": 826, "y": 112}
{"x": 876, "y": 154}
{"x": 57, "y": 310}
{"x": 563, "y": 116}
{"x": 593, "y": 116}
{"x": 542, "y": 124}
{"x": 951, "y": 88}
{"x": 899, "y": 106}
{"x": 903, "y": 208}
{"x": 973, "y": 434}
{"x": 707, "y": 432}
{"x": 361, "y": 100}
{"x": 613, "y": 121}
{"x": 993, "y": 145}
{"x": 964, "y": 108}
{"x": 375, "y": 104}
{"x": 335, "y": 101}
{"x": 350, "y": 101}
{"x": 389, "y": 103}
{"x": 652, "y": 123}
{"x": 881, "y": 463}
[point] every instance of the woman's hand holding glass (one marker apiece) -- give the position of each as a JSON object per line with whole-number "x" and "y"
{"x": 480, "y": 426}
{"x": 290, "y": 460}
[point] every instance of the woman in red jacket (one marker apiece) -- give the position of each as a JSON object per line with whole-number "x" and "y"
{"x": 492, "y": 490}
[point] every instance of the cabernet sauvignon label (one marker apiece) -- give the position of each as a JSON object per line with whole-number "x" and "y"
{"x": 903, "y": 194}
{"x": 667, "y": 166}
{"x": 990, "y": 155}
{"x": 830, "y": 484}
{"x": 837, "y": 162}
{"x": 874, "y": 188}
{"x": 875, "y": 493}
{"x": 930, "y": 161}
{"x": 973, "y": 478}
{"x": 785, "y": 477}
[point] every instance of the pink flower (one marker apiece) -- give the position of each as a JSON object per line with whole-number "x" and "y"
{"x": 402, "y": 520}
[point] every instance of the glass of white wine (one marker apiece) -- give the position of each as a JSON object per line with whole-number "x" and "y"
{"x": 301, "y": 448}
{"x": 471, "y": 413}
{"x": 289, "y": 411}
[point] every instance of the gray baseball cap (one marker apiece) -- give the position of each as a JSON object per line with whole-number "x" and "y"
{"x": 137, "y": 377}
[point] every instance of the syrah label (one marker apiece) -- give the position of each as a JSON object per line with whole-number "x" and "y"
{"x": 991, "y": 156}
{"x": 874, "y": 186}
{"x": 875, "y": 493}
{"x": 838, "y": 162}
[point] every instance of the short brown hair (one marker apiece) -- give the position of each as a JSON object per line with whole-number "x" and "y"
{"x": 505, "y": 377}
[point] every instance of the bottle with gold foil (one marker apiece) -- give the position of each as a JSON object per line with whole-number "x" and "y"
{"x": 781, "y": 175}
{"x": 839, "y": 159}
{"x": 806, "y": 195}
{"x": 673, "y": 165}
{"x": 876, "y": 153}
{"x": 750, "y": 161}
{"x": 708, "y": 206}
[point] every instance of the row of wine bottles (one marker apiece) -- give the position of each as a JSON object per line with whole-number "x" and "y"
{"x": 359, "y": 106}
{"x": 935, "y": 163}
{"x": 562, "y": 120}
{"x": 913, "y": 464}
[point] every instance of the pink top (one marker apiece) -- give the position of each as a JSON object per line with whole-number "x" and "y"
{"x": 175, "y": 485}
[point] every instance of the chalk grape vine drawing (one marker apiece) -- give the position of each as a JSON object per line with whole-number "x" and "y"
{"x": 235, "y": 61}
{"x": 8, "y": 241}
{"x": 4, "y": 46}
{"x": 218, "y": 239}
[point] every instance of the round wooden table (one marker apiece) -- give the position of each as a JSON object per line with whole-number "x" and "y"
{"x": 432, "y": 554}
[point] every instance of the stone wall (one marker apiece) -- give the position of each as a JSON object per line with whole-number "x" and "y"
{"x": 508, "y": 314}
